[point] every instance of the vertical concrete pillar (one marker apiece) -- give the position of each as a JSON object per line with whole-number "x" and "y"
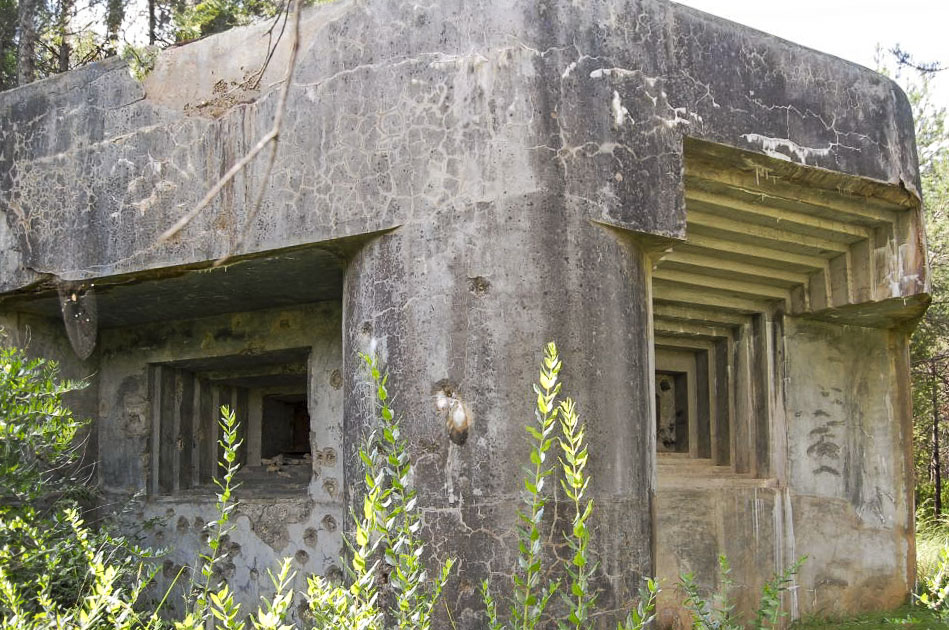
{"x": 469, "y": 300}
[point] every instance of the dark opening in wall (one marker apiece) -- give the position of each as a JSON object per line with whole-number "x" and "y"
{"x": 285, "y": 427}
{"x": 268, "y": 393}
{"x": 672, "y": 412}
{"x": 686, "y": 401}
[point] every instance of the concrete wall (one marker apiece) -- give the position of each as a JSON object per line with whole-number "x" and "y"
{"x": 455, "y": 104}
{"x": 841, "y": 492}
{"x": 849, "y": 458}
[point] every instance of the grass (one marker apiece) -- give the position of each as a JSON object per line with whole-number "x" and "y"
{"x": 906, "y": 618}
{"x": 930, "y": 539}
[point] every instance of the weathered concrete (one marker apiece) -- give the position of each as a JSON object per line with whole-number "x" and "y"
{"x": 461, "y": 182}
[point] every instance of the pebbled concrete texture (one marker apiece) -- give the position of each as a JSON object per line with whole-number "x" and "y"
{"x": 486, "y": 176}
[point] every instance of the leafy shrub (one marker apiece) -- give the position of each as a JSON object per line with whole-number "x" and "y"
{"x": 44, "y": 549}
{"x": 104, "y": 602}
{"x": 933, "y": 589}
{"x": 55, "y": 572}
{"x": 531, "y": 595}
{"x": 38, "y": 450}
{"x": 386, "y": 547}
{"x": 932, "y": 543}
{"x": 718, "y": 612}
{"x": 105, "y": 581}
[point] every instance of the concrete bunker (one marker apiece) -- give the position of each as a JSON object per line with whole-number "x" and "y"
{"x": 455, "y": 195}
{"x": 764, "y": 253}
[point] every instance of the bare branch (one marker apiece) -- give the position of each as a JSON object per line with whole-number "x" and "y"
{"x": 272, "y": 43}
{"x": 221, "y": 183}
{"x": 278, "y": 123}
{"x": 904, "y": 59}
{"x": 272, "y": 136}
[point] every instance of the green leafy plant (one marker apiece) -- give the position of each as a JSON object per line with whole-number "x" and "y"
{"x": 645, "y": 611}
{"x": 106, "y": 601}
{"x": 715, "y": 613}
{"x": 44, "y": 547}
{"x": 386, "y": 544}
{"x": 206, "y": 599}
{"x": 531, "y": 594}
{"x": 113, "y": 580}
{"x": 140, "y": 59}
{"x": 38, "y": 446}
{"x": 574, "y": 483}
{"x": 770, "y": 609}
{"x": 934, "y": 586}
{"x": 718, "y": 612}
{"x": 212, "y": 601}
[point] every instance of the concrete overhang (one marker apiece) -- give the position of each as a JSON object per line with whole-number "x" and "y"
{"x": 283, "y": 278}
{"x": 764, "y": 234}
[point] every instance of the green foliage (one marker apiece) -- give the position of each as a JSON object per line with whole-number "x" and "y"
{"x": 65, "y": 37}
{"x": 930, "y": 351}
{"x": 140, "y": 60}
{"x": 905, "y": 618}
{"x": 934, "y": 587}
{"x": 45, "y": 552}
{"x": 770, "y": 610}
{"x": 575, "y": 481}
{"x": 206, "y": 597}
{"x": 932, "y": 139}
{"x": 718, "y": 612}
{"x": 389, "y": 585}
{"x": 532, "y": 589}
{"x": 273, "y": 614}
{"x": 213, "y": 16}
{"x": 932, "y": 534}
{"x": 639, "y": 617}
{"x": 38, "y": 450}
{"x": 105, "y": 576}
{"x": 386, "y": 542}
{"x": 104, "y": 601}
{"x": 932, "y": 566}
{"x": 930, "y": 342}
{"x": 531, "y": 596}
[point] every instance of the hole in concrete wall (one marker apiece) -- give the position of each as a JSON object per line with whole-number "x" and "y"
{"x": 684, "y": 402}
{"x": 766, "y": 238}
{"x": 176, "y": 343}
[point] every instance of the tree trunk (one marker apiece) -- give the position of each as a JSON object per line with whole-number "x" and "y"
{"x": 115, "y": 15}
{"x": 935, "y": 466}
{"x": 152, "y": 22}
{"x": 62, "y": 64}
{"x": 26, "y": 51}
